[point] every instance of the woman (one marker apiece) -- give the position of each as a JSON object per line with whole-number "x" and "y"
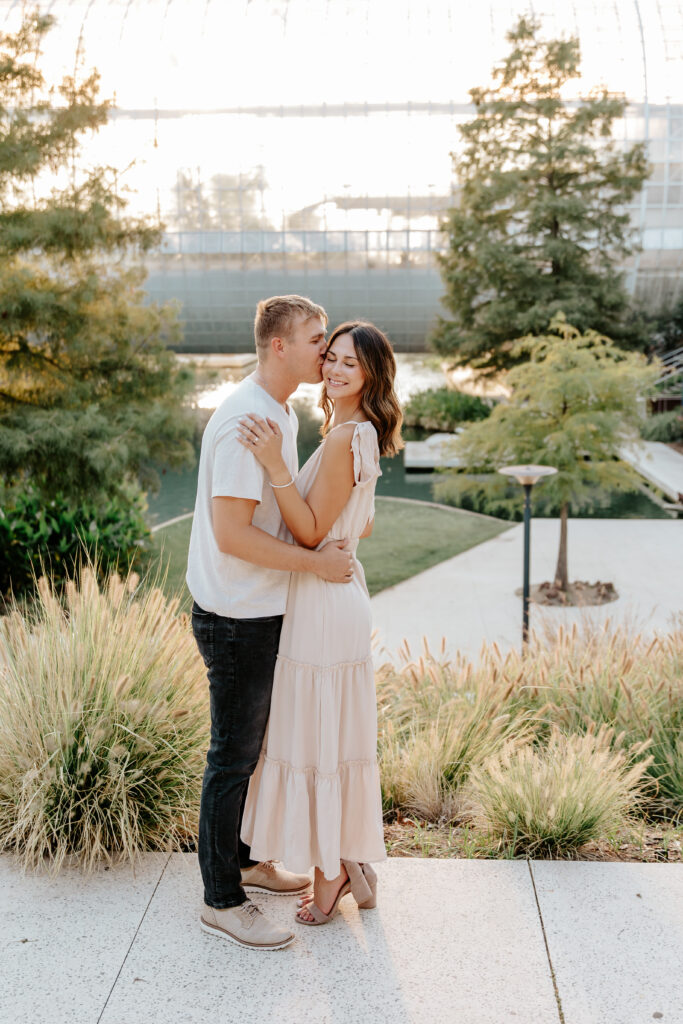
{"x": 315, "y": 795}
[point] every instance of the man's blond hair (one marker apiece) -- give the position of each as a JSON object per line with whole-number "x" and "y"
{"x": 275, "y": 317}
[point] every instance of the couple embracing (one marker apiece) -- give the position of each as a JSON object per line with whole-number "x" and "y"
{"x": 281, "y": 616}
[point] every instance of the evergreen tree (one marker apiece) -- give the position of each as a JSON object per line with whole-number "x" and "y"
{"x": 575, "y": 401}
{"x": 90, "y": 394}
{"x": 668, "y": 328}
{"x": 540, "y": 225}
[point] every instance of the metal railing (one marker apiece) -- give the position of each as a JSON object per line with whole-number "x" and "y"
{"x": 673, "y": 366}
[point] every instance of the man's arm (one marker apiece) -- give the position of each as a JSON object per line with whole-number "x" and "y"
{"x": 236, "y": 535}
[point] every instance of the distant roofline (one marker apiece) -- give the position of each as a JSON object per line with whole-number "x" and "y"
{"x": 344, "y": 109}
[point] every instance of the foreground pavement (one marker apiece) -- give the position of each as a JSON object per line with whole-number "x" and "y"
{"x": 470, "y": 599}
{"x": 472, "y": 942}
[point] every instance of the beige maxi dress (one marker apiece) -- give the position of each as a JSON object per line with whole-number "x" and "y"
{"x": 315, "y": 794}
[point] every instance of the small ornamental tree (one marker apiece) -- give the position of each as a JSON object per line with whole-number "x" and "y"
{"x": 575, "y": 401}
{"x": 540, "y": 224}
{"x": 90, "y": 394}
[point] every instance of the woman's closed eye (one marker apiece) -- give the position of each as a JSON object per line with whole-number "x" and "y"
{"x": 348, "y": 363}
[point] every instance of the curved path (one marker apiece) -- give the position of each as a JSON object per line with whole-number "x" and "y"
{"x": 471, "y": 598}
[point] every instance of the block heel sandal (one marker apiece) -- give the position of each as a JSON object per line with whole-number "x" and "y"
{"x": 361, "y": 883}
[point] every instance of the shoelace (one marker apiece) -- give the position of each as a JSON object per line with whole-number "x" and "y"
{"x": 250, "y": 911}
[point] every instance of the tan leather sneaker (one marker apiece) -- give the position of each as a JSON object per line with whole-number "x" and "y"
{"x": 246, "y": 926}
{"x": 270, "y": 877}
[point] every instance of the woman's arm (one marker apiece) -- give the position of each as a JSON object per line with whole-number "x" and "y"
{"x": 308, "y": 520}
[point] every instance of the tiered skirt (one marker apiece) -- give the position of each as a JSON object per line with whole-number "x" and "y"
{"x": 315, "y": 795}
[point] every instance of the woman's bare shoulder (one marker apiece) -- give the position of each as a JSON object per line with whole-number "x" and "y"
{"x": 338, "y": 440}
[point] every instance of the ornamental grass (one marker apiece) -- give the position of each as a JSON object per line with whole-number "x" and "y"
{"x": 634, "y": 683}
{"x": 103, "y": 724}
{"x": 611, "y": 689}
{"x": 550, "y": 800}
{"x": 435, "y": 724}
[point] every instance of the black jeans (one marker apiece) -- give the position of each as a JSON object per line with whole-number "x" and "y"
{"x": 240, "y": 657}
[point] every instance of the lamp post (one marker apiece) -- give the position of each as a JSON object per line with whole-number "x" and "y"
{"x": 527, "y": 476}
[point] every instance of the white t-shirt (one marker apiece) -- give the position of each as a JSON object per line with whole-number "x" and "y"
{"x": 219, "y": 582}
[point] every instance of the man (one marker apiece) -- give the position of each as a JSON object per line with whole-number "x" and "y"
{"x": 238, "y": 574}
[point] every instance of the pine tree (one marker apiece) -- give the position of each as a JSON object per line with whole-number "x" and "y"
{"x": 574, "y": 402}
{"x": 90, "y": 394}
{"x": 540, "y": 225}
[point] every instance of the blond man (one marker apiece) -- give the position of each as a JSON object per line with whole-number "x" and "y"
{"x": 239, "y": 563}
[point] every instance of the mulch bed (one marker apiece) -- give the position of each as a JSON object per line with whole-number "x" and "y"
{"x": 580, "y": 594}
{"x": 410, "y": 838}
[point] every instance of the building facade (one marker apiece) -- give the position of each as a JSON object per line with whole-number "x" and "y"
{"x": 304, "y": 146}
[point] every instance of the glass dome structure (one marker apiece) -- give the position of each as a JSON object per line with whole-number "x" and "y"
{"x": 303, "y": 145}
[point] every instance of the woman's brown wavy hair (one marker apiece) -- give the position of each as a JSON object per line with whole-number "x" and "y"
{"x": 378, "y": 398}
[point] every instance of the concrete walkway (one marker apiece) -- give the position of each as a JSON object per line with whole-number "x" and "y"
{"x": 472, "y": 942}
{"x": 471, "y": 598}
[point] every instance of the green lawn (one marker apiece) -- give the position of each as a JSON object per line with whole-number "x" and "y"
{"x": 408, "y": 537}
{"x": 411, "y": 536}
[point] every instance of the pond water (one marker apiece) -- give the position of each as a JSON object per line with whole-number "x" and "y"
{"x": 217, "y": 378}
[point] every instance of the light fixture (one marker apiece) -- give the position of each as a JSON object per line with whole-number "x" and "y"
{"x": 527, "y": 476}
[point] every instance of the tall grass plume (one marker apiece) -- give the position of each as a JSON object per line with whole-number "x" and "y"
{"x": 551, "y": 800}
{"x": 437, "y": 722}
{"x": 103, "y": 724}
{"x": 596, "y": 695}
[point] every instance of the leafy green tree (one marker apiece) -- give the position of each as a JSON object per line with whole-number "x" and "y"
{"x": 443, "y": 408}
{"x": 90, "y": 394}
{"x": 540, "y": 225}
{"x": 573, "y": 404}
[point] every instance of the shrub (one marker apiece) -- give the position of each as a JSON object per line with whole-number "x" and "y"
{"x": 55, "y": 538}
{"x": 495, "y": 497}
{"x": 103, "y": 724}
{"x": 665, "y": 426}
{"x": 553, "y": 800}
{"x": 443, "y": 409}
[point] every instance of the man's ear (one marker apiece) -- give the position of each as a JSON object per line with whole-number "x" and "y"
{"x": 277, "y": 346}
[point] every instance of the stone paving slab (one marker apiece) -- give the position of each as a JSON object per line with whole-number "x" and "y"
{"x": 615, "y": 936}
{"x": 450, "y": 940}
{"x": 65, "y": 938}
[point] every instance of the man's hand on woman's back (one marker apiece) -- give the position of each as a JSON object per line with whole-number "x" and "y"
{"x": 335, "y": 562}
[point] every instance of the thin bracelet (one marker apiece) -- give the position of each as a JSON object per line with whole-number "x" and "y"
{"x": 288, "y": 484}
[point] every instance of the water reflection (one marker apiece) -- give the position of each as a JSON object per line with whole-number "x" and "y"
{"x": 415, "y": 372}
